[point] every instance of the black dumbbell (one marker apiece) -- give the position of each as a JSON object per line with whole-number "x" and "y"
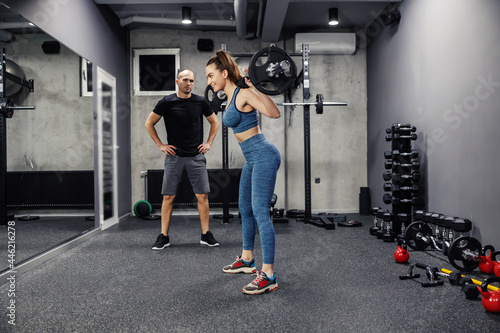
{"x": 405, "y": 128}
{"x": 413, "y": 188}
{"x": 447, "y": 223}
{"x": 455, "y": 279}
{"x": 470, "y": 290}
{"x": 387, "y": 175}
{"x": 461, "y": 225}
{"x": 395, "y": 153}
{"x": 389, "y": 235}
{"x": 427, "y": 217}
{"x": 411, "y": 136}
{"x": 386, "y": 220}
{"x": 388, "y": 199}
{"x": 413, "y": 165}
{"x": 419, "y": 215}
{"x": 404, "y": 219}
{"x": 397, "y": 136}
{"x": 415, "y": 176}
{"x": 388, "y": 187}
{"x": 375, "y": 227}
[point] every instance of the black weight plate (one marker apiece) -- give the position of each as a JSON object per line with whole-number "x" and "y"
{"x": 456, "y": 253}
{"x": 276, "y": 75}
{"x": 216, "y": 101}
{"x": 412, "y": 232}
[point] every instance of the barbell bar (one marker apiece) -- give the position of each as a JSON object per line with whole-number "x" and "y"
{"x": 7, "y": 107}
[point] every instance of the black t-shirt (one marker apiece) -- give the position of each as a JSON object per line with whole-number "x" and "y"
{"x": 183, "y": 121}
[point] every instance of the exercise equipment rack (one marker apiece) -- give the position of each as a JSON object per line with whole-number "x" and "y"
{"x": 7, "y": 108}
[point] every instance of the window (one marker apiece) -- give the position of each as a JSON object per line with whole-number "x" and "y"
{"x": 155, "y": 71}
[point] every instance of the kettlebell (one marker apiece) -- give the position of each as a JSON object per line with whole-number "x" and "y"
{"x": 401, "y": 254}
{"x": 491, "y": 299}
{"x": 485, "y": 264}
{"x": 496, "y": 264}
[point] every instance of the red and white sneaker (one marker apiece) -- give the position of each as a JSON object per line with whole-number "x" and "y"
{"x": 240, "y": 266}
{"x": 261, "y": 284}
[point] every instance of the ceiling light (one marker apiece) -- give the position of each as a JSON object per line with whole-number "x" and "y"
{"x": 186, "y": 15}
{"x": 334, "y": 16}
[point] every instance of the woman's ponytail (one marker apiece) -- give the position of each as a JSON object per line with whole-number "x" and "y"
{"x": 223, "y": 60}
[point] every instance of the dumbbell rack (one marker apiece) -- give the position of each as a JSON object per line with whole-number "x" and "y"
{"x": 448, "y": 234}
{"x": 402, "y": 177}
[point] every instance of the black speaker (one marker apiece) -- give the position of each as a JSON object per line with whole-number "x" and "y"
{"x": 390, "y": 17}
{"x": 205, "y": 45}
{"x": 51, "y": 47}
{"x": 364, "y": 201}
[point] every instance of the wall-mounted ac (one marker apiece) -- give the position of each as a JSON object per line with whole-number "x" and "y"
{"x": 327, "y": 43}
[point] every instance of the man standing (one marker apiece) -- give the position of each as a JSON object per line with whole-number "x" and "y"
{"x": 185, "y": 150}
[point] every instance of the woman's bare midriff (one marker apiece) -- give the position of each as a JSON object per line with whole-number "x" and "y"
{"x": 247, "y": 134}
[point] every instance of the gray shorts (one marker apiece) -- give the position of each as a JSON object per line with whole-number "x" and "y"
{"x": 196, "y": 169}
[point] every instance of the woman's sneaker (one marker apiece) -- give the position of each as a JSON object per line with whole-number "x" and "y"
{"x": 261, "y": 284}
{"x": 240, "y": 266}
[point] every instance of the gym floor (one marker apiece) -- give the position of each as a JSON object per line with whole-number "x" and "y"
{"x": 36, "y": 236}
{"x": 342, "y": 280}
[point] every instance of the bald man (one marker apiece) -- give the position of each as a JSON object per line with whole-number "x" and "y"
{"x": 183, "y": 114}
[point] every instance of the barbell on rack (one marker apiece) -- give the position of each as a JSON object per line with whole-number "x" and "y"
{"x": 319, "y": 104}
{"x": 7, "y": 107}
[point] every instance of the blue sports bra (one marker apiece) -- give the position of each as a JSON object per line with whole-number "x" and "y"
{"x": 237, "y": 120}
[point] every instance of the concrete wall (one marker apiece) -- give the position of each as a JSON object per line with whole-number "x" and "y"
{"x": 438, "y": 70}
{"x": 338, "y": 136}
{"x": 58, "y": 134}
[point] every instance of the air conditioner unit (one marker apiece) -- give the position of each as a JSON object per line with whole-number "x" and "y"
{"x": 327, "y": 43}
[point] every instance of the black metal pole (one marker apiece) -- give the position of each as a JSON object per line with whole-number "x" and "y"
{"x": 307, "y": 132}
{"x": 307, "y": 162}
{"x": 225, "y": 166}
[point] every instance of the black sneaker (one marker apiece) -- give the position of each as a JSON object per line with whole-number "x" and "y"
{"x": 161, "y": 242}
{"x": 208, "y": 239}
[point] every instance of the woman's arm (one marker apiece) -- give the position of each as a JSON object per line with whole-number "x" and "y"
{"x": 257, "y": 100}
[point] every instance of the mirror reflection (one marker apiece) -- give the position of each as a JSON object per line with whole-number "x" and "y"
{"x": 49, "y": 150}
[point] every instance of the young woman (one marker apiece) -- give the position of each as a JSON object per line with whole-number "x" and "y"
{"x": 258, "y": 177}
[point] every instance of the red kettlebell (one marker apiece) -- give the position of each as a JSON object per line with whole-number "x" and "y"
{"x": 496, "y": 264}
{"x": 491, "y": 299}
{"x": 485, "y": 264}
{"x": 401, "y": 254}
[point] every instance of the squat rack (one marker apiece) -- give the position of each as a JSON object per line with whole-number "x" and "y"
{"x": 7, "y": 108}
{"x": 308, "y": 217}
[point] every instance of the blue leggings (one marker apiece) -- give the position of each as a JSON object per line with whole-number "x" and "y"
{"x": 258, "y": 178}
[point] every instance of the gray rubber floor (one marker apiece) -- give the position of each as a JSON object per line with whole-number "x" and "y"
{"x": 342, "y": 280}
{"x": 36, "y": 236}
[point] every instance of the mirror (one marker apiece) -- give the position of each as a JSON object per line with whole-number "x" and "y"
{"x": 106, "y": 124}
{"x": 49, "y": 177}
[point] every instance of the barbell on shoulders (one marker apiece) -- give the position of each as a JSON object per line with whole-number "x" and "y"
{"x": 272, "y": 72}
{"x": 218, "y": 101}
